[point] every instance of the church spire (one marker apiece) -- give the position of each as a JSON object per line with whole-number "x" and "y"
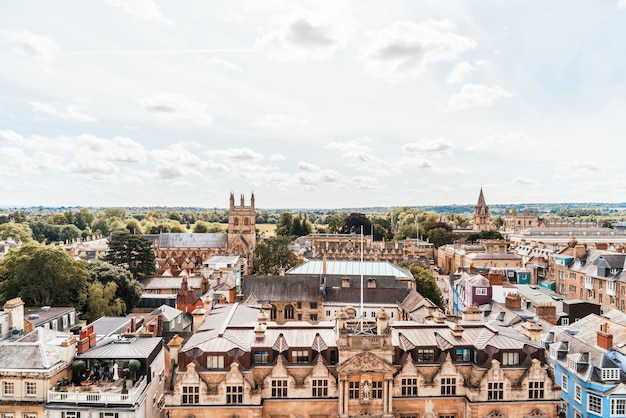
{"x": 481, "y": 199}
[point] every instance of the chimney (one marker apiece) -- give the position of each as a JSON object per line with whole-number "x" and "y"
{"x": 579, "y": 250}
{"x": 324, "y": 263}
{"x": 546, "y": 311}
{"x": 471, "y": 313}
{"x": 132, "y": 325}
{"x": 174, "y": 345}
{"x": 604, "y": 337}
{"x": 281, "y": 271}
{"x": 198, "y": 315}
{"x": 532, "y": 330}
{"x": 371, "y": 283}
{"x": 513, "y": 301}
{"x": 159, "y": 330}
{"x": 261, "y": 326}
{"x": 382, "y": 322}
{"x": 457, "y": 330}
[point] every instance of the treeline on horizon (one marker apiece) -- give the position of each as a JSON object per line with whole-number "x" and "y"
{"x": 63, "y": 224}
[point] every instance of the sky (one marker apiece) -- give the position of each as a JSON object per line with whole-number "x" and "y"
{"x": 311, "y": 104}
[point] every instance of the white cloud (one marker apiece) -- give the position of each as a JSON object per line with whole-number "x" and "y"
{"x": 70, "y": 112}
{"x": 579, "y": 166}
{"x": 351, "y": 145}
{"x": 236, "y": 154}
{"x": 316, "y": 178}
{"x": 16, "y": 163}
{"x": 173, "y": 106}
{"x": 412, "y": 163}
{"x": 503, "y": 142}
{"x": 304, "y": 166}
{"x": 524, "y": 181}
{"x": 142, "y": 9}
{"x": 304, "y": 36}
{"x": 276, "y": 157}
{"x": 275, "y": 121}
{"x": 226, "y": 65}
{"x": 427, "y": 145}
{"x": 406, "y": 48}
{"x": 31, "y": 45}
{"x": 621, "y": 4}
{"x": 119, "y": 149}
{"x": 96, "y": 168}
{"x": 10, "y": 136}
{"x": 462, "y": 69}
{"x": 477, "y": 95}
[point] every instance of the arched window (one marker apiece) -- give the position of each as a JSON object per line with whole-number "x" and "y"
{"x": 246, "y": 221}
{"x": 288, "y": 311}
{"x": 273, "y": 313}
{"x": 236, "y": 222}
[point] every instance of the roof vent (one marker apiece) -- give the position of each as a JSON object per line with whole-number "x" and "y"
{"x": 45, "y": 308}
{"x": 33, "y": 316}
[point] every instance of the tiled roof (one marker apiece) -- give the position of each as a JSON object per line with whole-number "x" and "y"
{"x": 123, "y": 348}
{"x": 282, "y": 288}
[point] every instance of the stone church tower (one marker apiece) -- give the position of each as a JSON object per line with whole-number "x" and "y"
{"x": 482, "y": 221}
{"x": 242, "y": 230}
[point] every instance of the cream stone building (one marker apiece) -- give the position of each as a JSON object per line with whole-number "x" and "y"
{"x": 241, "y": 364}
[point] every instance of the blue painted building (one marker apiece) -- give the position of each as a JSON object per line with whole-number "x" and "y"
{"x": 589, "y": 362}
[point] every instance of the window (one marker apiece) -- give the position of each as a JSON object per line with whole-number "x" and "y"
{"x": 354, "y": 390}
{"x": 578, "y": 393}
{"x": 535, "y": 390}
{"x": 215, "y": 362}
{"x": 31, "y": 388}
{"x": 289, "y": 312}
{"x": 8, "y": 388}
{"x": 313, "y": 305}
{"x": 319, "y": 388}
{"x": 29, "y": 415}
{"x": 594, "y": 404}
{"x": 462, "y": 354}
{"x": 495, "y": 390}
{"x": 425, "y": 355}
{"x": 328, "y": 313}
{"x": 191, "y": 395}
{"x": 313, "y": 317}
{"x": 610, "y": 374}
{"x": 65, "y": 321}
{"x": 109, "y": 415}
{"x": 261, "y": 357}
{"x": 510, "y": 358}
{"x": 448, "y": 386}
{"x": 9, "y": 415}
{"x": 564, "y": 382}
{"x": 481, "y": 291}
{"x": 618, "y": 406}
{"x": 71, "y": 414}
{"x": 279, "y": 388}
{"x": 299, "y": 356}
{"x": 234, "y": 394}
{"x": 377, "y": 389}
{"x": 409, "y": 387}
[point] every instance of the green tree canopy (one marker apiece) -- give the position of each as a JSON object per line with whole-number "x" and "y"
{"x": 353, "y": 223}
{"x": 133, "y": 252}
{"x": 102, "y": 301}
{"x": 484, "y": 235}
{"x": 440, "y": 236}
{"x": 19, "y": 232}
{"x": 427, "y": 284}
{"x": 43, "y": 275}
{"x": 128, "y": 288}
{"x": 271, "y": 256}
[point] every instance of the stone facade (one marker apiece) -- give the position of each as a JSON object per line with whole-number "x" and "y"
{"x": 435, "y": 368}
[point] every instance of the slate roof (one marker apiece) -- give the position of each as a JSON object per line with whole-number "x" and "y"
{"x": 27, "y": 356}
{"x": 190, "y": 240}
{"x": 370, "y": 295}
{"x": 282, "y": 288}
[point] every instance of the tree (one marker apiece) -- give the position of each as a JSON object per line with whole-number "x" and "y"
{"x": 19, "y": 232}
{"x": 271, "y": 256}
{"x": 129, "y": 290}
{"x": 200, "y": 227}
{"x": 283, "y": 229}
{"x": 102, "y": 301}
{"x": 133, "y": 252}
{"x": 83, "y": 219}
{"x": 100, "y": 226}
{"x": 475, "y": 236}
{"x": 43, "y": 275}
{"x": 440, "y": 236}
{"x": 353, "y": 223}
{"x": 427, "y": 284}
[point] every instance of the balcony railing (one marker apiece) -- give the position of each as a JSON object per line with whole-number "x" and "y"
{"x": 104, "y": 394}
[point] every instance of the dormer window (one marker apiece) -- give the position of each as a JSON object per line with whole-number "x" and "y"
{"x": 481, "y": 291}
{"x": 571, "y": 363}
{"x": 610, "y": 374}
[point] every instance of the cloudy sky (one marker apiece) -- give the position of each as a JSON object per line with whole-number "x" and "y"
{"x": 330, "y": 104}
